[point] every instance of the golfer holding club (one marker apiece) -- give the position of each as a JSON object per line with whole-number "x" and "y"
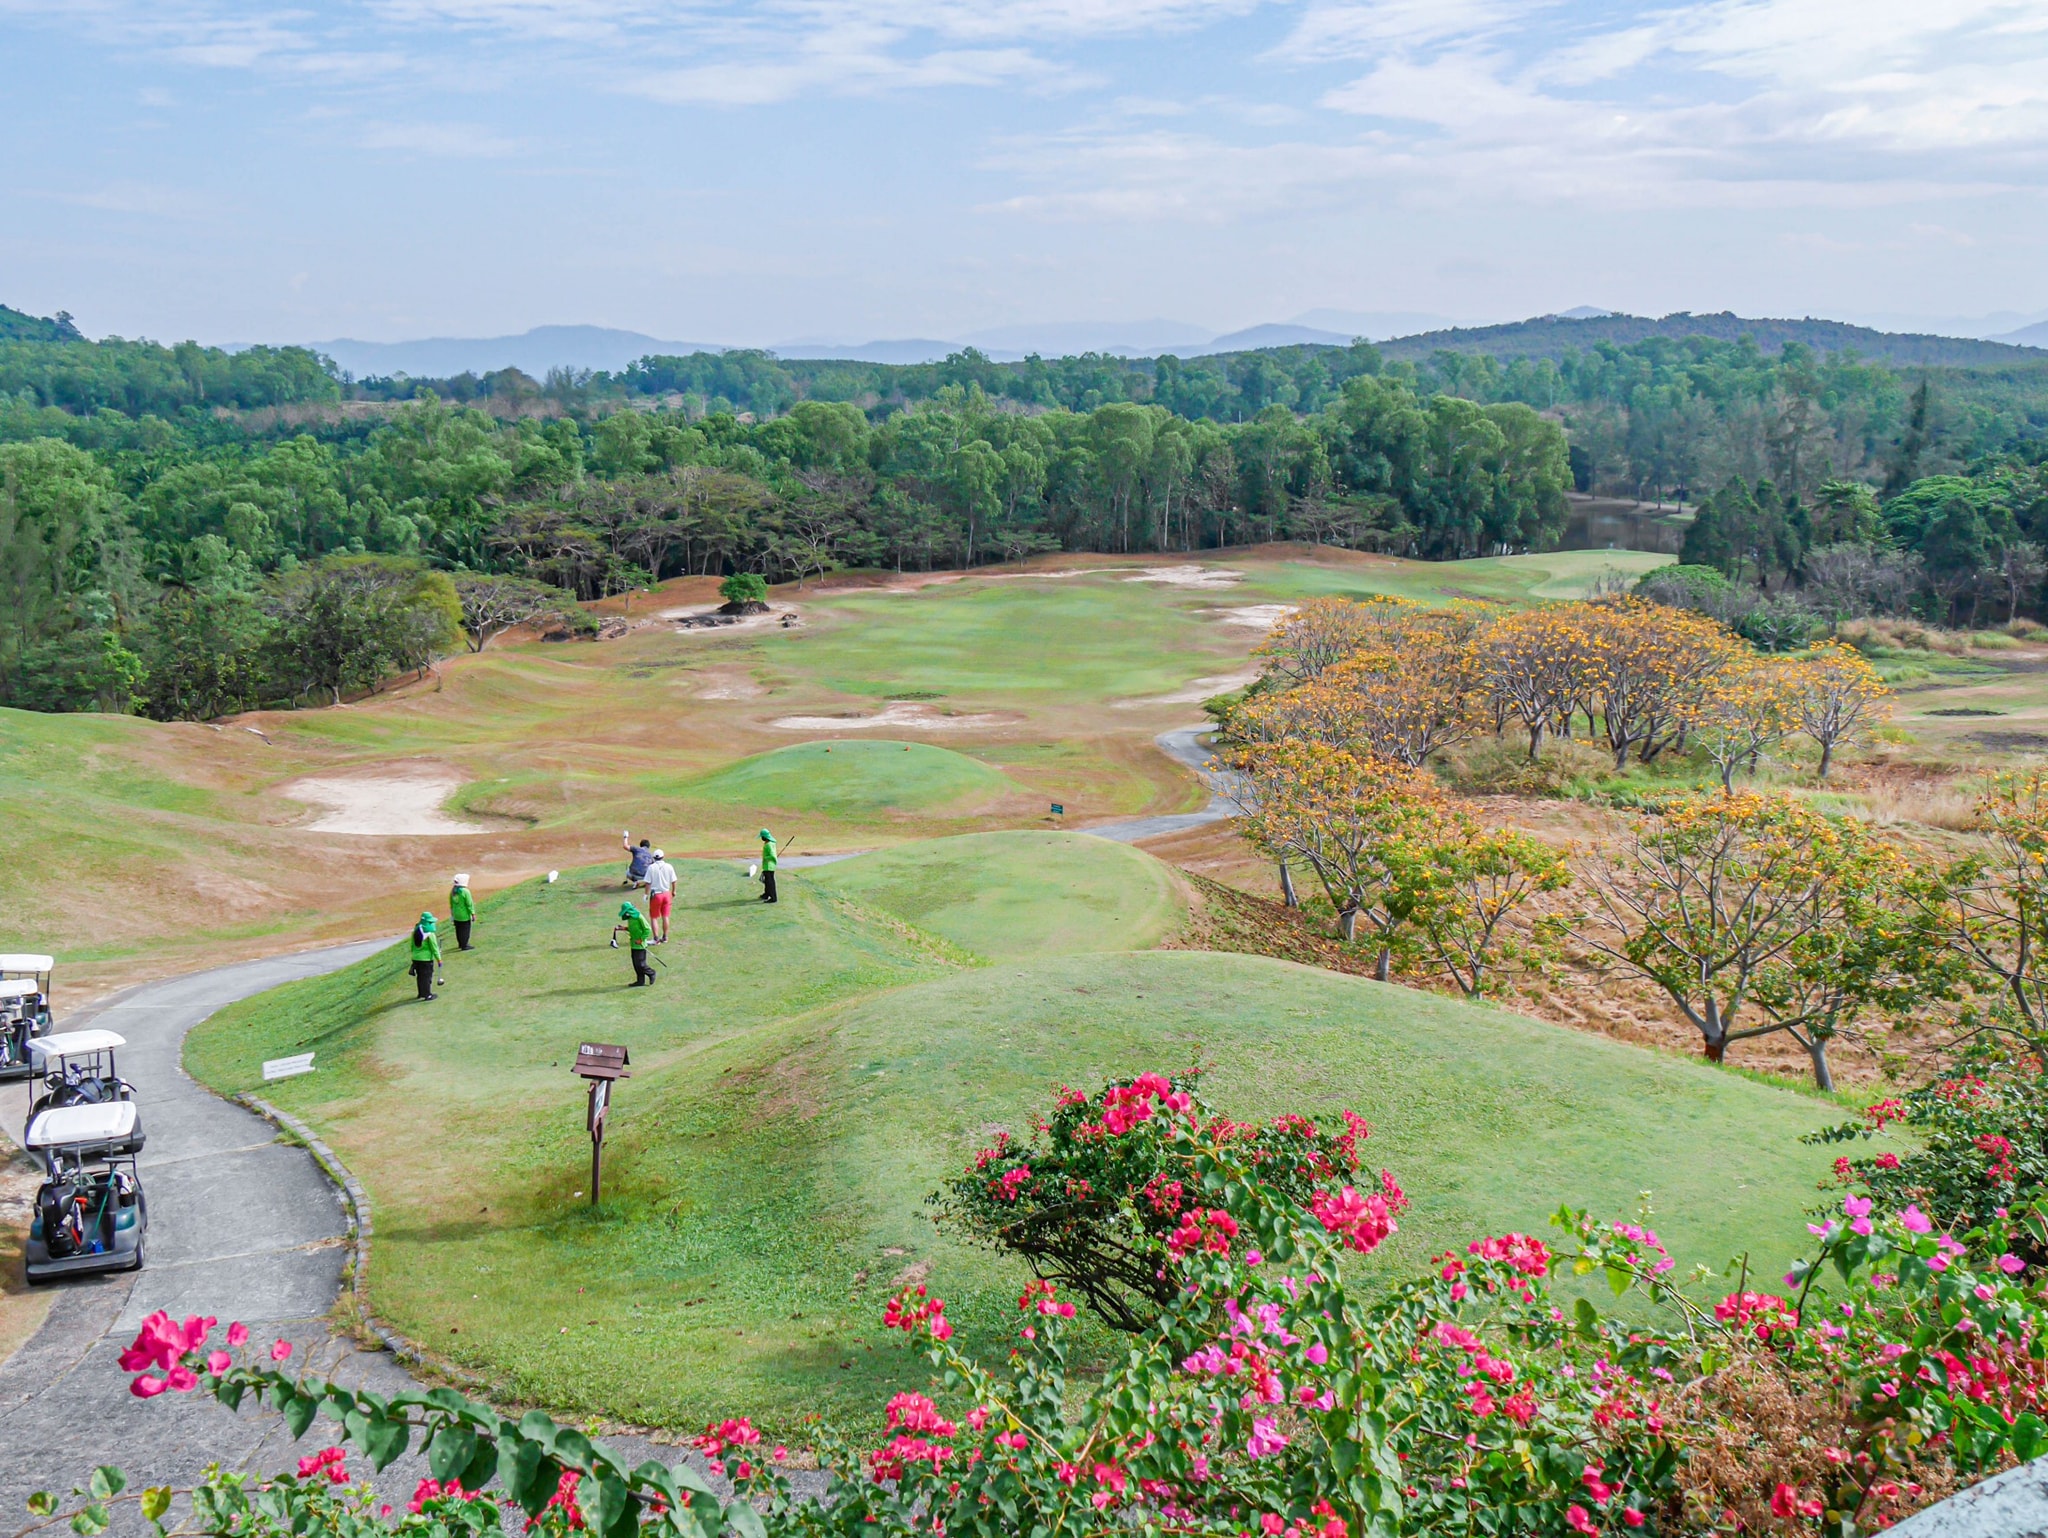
{"x": 426, "y": 955}
{"x": 767, "y": 866}
{"x": 638, "y": 930}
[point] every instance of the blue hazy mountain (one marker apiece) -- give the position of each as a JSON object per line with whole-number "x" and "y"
{"x": 531, "y": 352}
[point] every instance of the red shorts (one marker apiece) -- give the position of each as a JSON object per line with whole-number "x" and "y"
{"x": 658, "y": 904}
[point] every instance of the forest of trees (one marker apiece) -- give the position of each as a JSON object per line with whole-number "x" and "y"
{"x": 161, "y": 504}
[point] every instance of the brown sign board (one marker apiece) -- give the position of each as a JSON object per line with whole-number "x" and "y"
{"x": 594, "y": 1060}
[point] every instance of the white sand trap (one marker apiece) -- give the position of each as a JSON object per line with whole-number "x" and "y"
{"x": 406, "y": 802}
{"x": 897, "y": 714}
{"x": 1189, "y": 576}
{"x": 1258, "y": 616}
{"x": 1193, "y": 694}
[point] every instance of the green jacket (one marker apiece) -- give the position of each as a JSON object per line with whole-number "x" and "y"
{"x": 767, "y": 854}
{"x": 637, "y": 929}
{"x": 429, "y": 947}
{"x": 461, "y": 906}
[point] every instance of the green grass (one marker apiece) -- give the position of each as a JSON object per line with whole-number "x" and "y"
{"x": 805, "y": 1075}
{"x": 1020, "y": 894}
{"x": 854, "y": 779}
{"x": 1045, "y": 639}
{"x": 1510, "y": 579}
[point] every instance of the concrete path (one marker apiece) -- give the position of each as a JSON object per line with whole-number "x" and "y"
{"x": 241, "y": 1226}
{"x": 1184, "y": 745}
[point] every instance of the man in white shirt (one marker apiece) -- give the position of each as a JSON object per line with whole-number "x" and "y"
{"x": 661, "y": 885}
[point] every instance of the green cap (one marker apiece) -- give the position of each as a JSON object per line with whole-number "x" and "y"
{"x": 426, "y": 921}
{"x": 627, "y": 910}
{"x": 766, "y": 834}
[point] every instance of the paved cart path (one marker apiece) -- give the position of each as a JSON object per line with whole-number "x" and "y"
{"x": 1185, "y": 746}
{"x": 241, "y": 1226}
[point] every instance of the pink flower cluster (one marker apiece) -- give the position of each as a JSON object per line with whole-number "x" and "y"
{"x": 911, "y": 1308}
{"x": 1126, "y": 1105}
{"x": 1362, "y": 1222}
{"x": 434, "y": 1490}
{"x": 1647, "y": 1239}
{"x": 914, "y": 1419}
{"x": 1038, "y": 1299}
{"x": 1761, "y": 1313}
{"x": 1004, "y": 1187}
{"x": 1212, "y": 1231}
{"x": 174, "y": 1351}
{"x": 327, "y": 1465}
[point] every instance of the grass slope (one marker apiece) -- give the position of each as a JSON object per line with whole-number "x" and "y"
{"x": 854, "y": 779}
{"x": 806, "y": 1075}
{"x": 1509, "y": 579}
{"x": 1020, "y": 894}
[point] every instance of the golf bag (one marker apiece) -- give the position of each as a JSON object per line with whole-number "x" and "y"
{"x": 61, "y": 1208}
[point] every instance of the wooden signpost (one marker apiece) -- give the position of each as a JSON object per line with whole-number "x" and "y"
{"x": 599, "y": 1064}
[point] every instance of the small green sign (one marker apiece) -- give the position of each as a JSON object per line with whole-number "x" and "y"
{"x": 1058, "y": 810}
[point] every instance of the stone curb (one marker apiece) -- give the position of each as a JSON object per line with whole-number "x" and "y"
{"x": 361, "y": 1227}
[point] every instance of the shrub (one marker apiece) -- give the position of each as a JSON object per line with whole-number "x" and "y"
{"x": 1271, "y": 1395}
{"x": 744, "y": 587}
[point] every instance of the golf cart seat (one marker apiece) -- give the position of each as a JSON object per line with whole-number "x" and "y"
{"x": 85, "y": 1132}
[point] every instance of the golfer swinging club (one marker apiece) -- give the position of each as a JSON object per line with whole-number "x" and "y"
{"x": 637, "y": 932}
{"x": 767, "y": 866}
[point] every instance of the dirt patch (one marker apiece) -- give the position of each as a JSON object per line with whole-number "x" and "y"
{"x": 1194, "y": 693}
{"x": 727, "y": 684}
{"x": 714, "y": 617}
{"x": 21, "y": 1307}
{"x": 1189, "y": 576}
{"x": 896, "y": 715}
{"x": 402, "y": 801}
{"x": 2010, "y": 742}
{"x": 1257, "y": 616}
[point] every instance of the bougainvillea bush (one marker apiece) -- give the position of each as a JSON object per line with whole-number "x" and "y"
{"x": 1981, "y": 1160}
{"x": 1281, "y": 1389}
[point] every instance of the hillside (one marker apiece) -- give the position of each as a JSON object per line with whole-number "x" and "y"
{"x": 804, "y": 1076}
{"x": 1552, "y": 336}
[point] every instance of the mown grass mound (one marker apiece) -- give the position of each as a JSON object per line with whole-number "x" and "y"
{"x": 861, "y": 778}
{"x": 1020, "y": 894}
{"x": 805, "y": 1075}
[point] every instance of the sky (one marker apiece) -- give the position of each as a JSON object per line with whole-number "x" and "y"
{"x": 238, "y": 171}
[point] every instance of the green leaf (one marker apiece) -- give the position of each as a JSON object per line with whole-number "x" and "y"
{"x": 1587, "y": 1317}
{"x": 298, "y": 1411}
{"x": 42, "y": 1504}
{"x": 744, "y": 1520}
{"x": 384, "y": 1439}
{"x": 90, "y": 1521}
{"x": 519, "y": 1464}
{"x": 448, "y": 1455}
{"x": 106, "y": 1482}
{"x": 483, "y": 1463}
{"x": 574, "y": 1448}
{"x": 156, "y": 1500}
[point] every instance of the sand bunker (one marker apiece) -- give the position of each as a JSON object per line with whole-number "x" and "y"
{"x": 896, "y": 714}
{"x": 1195, "y": 692}
{"x": 1257, "y": 616}
{"x": 701, "y": 615}
{"x": 404, "y": 802}
{"x": 726, "y": 684}
{"x": 1189, "y": 576}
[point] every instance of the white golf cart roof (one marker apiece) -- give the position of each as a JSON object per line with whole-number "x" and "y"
{"x": 17, "y": 988}
{"x": 74, "y": 1044}
{"x": 25, "y": 961}
{"x": 79, "y": 1126}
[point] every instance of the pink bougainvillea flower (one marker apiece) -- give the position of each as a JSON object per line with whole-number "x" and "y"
{"x": 238, "y": 1334}
{"x": 218, "y": 1362}
{"x": 1266, "y": 1438}
{"x": 1578, "y": 1521}
{"x": 279, "y": 1350}
{"x": 147, "y": 1387}
{"x": 2011, "y": 1264}
{"x": 183, "y": 1379}
{"x": 1915, "y": 1221}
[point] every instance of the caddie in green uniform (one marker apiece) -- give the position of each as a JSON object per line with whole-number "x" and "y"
{"x": 767, "y": 866}
{"x": 462, "y": 909}
{"x": 426, "y": 955}
{"x": 638, "y": 930}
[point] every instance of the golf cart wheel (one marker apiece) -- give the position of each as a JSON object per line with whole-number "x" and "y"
{"x": 138, "y": 1259}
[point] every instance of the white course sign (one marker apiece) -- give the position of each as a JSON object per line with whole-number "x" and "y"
{"x": 288, "y": 1067}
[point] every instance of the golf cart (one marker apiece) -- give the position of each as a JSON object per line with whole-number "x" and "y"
{"x": 78, "y": 1069}
{"x": 24, "y": 1008}
{"x": 20, "y": 1017}
{"x": 89, "y": 1214}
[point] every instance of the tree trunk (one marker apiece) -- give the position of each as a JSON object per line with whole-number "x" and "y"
{"x": 1347, "y": 923}
{"x": 1817, "y": 1049}
{"x": 1383, "y": 968}
{"x": 1535, "y": 740}
{"x": 1287, "y": 886}
{"x": 1827, "y": 753}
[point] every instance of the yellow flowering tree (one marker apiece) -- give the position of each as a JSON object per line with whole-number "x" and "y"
{"x": 1836, "y": 696}
{"x": 1747, "y": 907}
{"x": 1649, "y": 667}
{"x": 1744, "y": 711}
{"x": 1535, "y": 665}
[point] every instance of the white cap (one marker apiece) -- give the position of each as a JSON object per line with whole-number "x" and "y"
{"x": 462, "y": 878}
{"x": 659, "y": 855}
